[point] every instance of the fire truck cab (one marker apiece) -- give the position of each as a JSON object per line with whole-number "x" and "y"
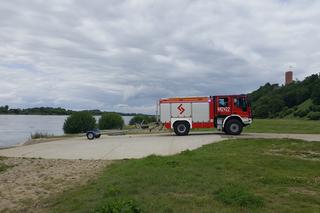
{"x": 228, "y": 113}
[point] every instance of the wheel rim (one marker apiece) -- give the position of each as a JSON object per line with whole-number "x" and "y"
{"x": 234, "y": 127}
{"x": 181, "y": 128}
{"x": 90, "y": 135}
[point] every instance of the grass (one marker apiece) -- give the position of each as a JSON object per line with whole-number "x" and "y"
{"x": 3, "y": 166}
{"x": 260, "y": 175}
{"x": 284, "y": 126}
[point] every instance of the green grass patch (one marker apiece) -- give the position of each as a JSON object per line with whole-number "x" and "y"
{"x": 284, "y": 126}
{"x": 119, "y": 206}
{"x": 3, "y": 166}
{"x": 256, "y": 175}
{"x": 234, "y": 194}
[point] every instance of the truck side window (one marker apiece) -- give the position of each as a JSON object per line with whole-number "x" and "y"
{"x": 241, "y": 103}
{"x": 223, "y": 102}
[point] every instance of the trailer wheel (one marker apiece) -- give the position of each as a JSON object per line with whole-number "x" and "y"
{"x": 181, "y": 128}
{"x": 233, "y": 127}
{"x": 90, "y": 135}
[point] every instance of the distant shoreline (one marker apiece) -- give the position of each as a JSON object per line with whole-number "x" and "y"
{"x": 122, "y": 114}
{"x": 6, "y": 110}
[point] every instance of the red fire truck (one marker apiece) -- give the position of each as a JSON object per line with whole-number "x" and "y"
{"x": 229, "y": 113}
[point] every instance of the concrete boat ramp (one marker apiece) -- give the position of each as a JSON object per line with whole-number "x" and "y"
{"x": 129, "y": 146}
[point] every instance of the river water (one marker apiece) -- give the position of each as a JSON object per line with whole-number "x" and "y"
{"x": 15, "y": 129}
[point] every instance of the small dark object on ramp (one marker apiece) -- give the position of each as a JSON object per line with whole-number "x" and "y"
{"x": 92, "y": 134}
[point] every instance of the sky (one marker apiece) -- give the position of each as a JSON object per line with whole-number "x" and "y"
{"x": 124, "y": 55}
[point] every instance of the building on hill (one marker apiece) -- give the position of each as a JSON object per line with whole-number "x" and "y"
{"x": 288, "y": 77}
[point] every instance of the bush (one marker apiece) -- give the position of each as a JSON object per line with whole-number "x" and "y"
{"x": 111, "y": 120}
{"x": 301, "y": 113}
{"x": 314, "y": 108}
{"x": 314, "y": 115}
{"x": 118, "y": 206}
{"x": 285, "y": 112}
{"x": 79, "y": 122}
{"x": 236, "y": 195}
{"x": 145, "y": 118}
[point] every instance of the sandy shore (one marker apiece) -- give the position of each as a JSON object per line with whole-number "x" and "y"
{"x": 27, "y": 181}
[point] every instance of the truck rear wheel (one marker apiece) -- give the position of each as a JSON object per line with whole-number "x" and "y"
{"x": 233, "y": 127}
{"x": 181, "y": 128}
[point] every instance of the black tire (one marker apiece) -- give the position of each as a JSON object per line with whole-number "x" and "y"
{"x": 233, "y": 127}
{"x": 181, "y": 128}
{"x": 90, "y": 135}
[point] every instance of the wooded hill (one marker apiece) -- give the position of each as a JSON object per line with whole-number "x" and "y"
{"x": 300, "y": 99}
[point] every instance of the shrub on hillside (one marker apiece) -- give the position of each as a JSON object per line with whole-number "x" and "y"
{"x": 301, "y": 113}
{"x": 314, "y": 115}
{"x": 314, "y": 108}
{"x": 111, "y": 120}
{"x": 139, "y": 118}
{"x": 79, "y": 122}
{"x": 286, "y": 111}
{"x": 316, "y": 94}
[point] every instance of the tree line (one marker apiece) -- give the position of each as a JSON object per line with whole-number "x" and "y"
{"x": 50, "y": 111}
{"x": 80, "y": 122}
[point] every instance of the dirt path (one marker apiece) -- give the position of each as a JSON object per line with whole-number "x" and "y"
{"x": 28, "y": 181}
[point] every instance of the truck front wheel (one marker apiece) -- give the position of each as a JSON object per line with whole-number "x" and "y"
{"x": 233, "y": 127}
{"x": 181, "y": 128}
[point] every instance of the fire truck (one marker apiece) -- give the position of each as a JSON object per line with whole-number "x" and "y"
{"x": 228, "y": 113}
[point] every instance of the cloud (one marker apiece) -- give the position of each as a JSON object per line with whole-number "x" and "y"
{"x": 125, "y": 55}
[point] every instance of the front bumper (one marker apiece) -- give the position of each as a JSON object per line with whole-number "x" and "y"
{"x": 247, "y": 121}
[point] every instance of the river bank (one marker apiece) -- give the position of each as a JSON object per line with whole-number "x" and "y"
{"x": 17, "y": 129}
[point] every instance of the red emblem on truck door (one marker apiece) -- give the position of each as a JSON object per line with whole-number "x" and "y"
{"x": 181, "y": 109}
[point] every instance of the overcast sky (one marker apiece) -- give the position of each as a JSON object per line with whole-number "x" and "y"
{"x": 125, "y": 55}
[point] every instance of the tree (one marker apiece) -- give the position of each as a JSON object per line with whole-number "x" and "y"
{"x": 316, "y": 94}
{"x": 4, "y": 109}
{"x": 290, "y": 98}
{"x": 111, "y": 120}
{"x": 79, "y": 122}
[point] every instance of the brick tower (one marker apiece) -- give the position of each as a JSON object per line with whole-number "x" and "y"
{"x": 289, "y": 77}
